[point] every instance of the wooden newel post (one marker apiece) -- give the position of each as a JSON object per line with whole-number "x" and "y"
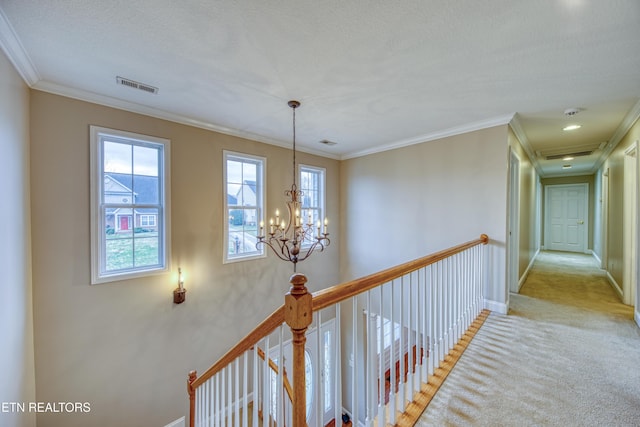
{"x": 192, "y": 398}
{"x": 298, "y": 315}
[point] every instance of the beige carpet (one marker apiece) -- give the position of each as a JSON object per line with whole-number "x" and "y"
{"x": 568, "y": 354}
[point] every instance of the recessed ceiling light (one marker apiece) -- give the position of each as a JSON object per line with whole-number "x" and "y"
{"x": 567, "y": 158}
{"x": 571, "y": 127}
{"x": 566, "y": 166}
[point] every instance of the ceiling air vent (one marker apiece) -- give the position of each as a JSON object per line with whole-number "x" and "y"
{"x": 327, "y": 142}
{"x": 136, "y": 85}
{"x": 561, "y": 156}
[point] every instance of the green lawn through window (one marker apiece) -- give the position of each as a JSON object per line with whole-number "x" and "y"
{"x": 120, "y": 252}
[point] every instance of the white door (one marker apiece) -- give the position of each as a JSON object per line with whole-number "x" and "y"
{"x": 566, "y": 216}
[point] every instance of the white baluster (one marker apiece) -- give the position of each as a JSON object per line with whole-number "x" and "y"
{"x": 230, "y": 395}
{"x": 210, "y": 412}
{"x": 266, "y": 384}
{"x": 416, "y": 333}
{"x": 441, "y": 313}
{"x": 236, "y": 404}
{"x": 256, "y": 387}
{"x": 381, "y": 361}
{"x": 319, "y": 367}
{"x": 337, "y": 379}
{"x": 354, "y": 346}
{"x": 218, "y": 393}
{"x": 392, "y": 364}
{"x": 245, "y": 399}
{"x": 280, "y": 403}
{"x": 369, "y": 383}
{"x": 403, "y": 344}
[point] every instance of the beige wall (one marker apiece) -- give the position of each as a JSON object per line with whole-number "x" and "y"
{"x": 402, "y": 204}
{"x": 583, "y": 179}
{"x": 124, "y": 347}
{"x": 615, "y": 166}
{"x": 17, "y": 376}
{"x": 529, "y": 243}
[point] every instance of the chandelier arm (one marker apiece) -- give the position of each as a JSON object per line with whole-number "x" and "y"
{"x": 285, "y": 248}
{"x": 318, "y": 243}
{"x": 280, "y": 254}
{"x": 309, "y": 252}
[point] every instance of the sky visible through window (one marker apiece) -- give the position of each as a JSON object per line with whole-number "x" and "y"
{"x": 236, "y": 174}
{"x": 125, "y": 158}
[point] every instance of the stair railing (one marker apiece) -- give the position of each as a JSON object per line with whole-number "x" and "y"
{"x": 387, "y": 332}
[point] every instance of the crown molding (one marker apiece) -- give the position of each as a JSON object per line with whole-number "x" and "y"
{"x": 132, "y": 107}
{"x": 517, "y": 129}
{"x": 458, "y": 130}
{"x": 625, "y": 125}
{"x": 12, "y": 47}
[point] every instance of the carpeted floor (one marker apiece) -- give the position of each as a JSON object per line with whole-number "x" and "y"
{"x": 568, "y": 354}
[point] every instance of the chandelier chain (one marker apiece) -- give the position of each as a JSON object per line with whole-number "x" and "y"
{"x": 294, "y": 146}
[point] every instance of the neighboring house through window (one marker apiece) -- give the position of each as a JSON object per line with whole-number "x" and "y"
{"x": 129, "y": 204}
{"x": 244, "y": 204}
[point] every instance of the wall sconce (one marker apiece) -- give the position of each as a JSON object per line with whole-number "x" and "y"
{"x": 180, "y": 291}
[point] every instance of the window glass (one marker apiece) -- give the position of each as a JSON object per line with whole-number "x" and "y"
{"x": 312, "y": 186}
{"x": 244, "y": 183}
{"x": 129, "y": 195}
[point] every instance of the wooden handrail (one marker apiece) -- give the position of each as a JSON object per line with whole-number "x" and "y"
{"x": 274, "y": 368}
{"x": 266, "y": 327}
{"x": 298, "y": 312}
{"x": 327, "y": 297}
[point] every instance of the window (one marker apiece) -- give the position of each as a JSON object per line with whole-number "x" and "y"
{"x": 244, "y": 205}
{"x": 148, "y": 220}
{"x": 327, "y": 370}
{"x": 312, "y": 201}
{"x": 129, "y": 205}
{"x": 387, "y": 334}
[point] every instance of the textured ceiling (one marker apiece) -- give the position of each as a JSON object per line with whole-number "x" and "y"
{"x": 370, "y": 74}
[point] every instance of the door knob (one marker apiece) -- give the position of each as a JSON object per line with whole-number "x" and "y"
{"x": 581, "y": 222}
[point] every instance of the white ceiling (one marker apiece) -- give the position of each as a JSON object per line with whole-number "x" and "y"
{"x": 370, "y": 74}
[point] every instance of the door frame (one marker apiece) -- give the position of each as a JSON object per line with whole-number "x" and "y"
{"x": 547, "y": 221}
{"x": 630, "y": 226}
{"x": 604, "y": 239}
{"x": 513, "y": 232}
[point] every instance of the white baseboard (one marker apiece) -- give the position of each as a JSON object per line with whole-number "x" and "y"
{"x": 526, "y": 272}
{"x": 496, "y": 307}
{"x": 615, "y": 286}
{"x": 637, "y": 316}
{"x": 180, "y": 422}
{"x": 595, "y": 255}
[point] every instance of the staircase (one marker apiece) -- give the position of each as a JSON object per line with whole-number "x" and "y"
{"x": 372, "y": 349}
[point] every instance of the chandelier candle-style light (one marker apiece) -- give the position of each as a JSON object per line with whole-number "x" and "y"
{"x": 296, "y": 239}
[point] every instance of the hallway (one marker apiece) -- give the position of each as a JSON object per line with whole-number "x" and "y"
{"x": 568, "y": 354}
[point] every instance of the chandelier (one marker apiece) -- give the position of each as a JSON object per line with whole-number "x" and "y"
{"x": 294, "y": 240}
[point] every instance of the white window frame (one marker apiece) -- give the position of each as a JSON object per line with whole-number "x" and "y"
{"x": 323, "y": 195}
{"x": 261, "y": 185}
{"x": 99, "y": 274}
